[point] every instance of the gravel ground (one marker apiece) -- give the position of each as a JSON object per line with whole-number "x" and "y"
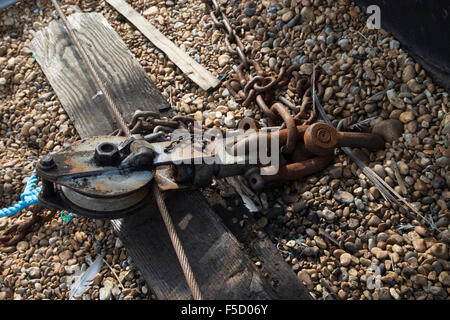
{"x": 375, "y": 251}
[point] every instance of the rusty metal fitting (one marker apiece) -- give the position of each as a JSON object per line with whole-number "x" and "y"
{"x": 254, "y": 179}
{"x": 248, "y": 124}
{"x": 265, "y": 109}
{"x": 272, "y": 81}
{"x": 300, "y": 169}
{"x": 250, "y": 97}
{"x": 107, "y": 154}
{"x": 360, "y": 140}
{"x": 279, "y": 109}
{"x": 249, "y": 86}
{"x": 321, "y": 139}
{"x": 47, "y": 163}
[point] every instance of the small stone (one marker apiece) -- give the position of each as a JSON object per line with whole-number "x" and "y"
{"x": 22, "y": 246}
{"x": 305, "y": 278}
{"x": 345, "y": 259}
{"x": 359, "y": 204}
{"x": 307, "y": 14}
{"x": 230, "y": 122}
{"x": 381, "y": 254}
{"x": 287, "y": 16}
{"x": 421, "y": 280}
{"x": 338, "y": 253}
{"x": 421, "y": 231}
{"x": 419, "y": 245}
{"x": 249, "y": 12}
{"x": 407, "y": 116}
{"x": 306, "y": 68}
{"x": 439, "y": 250}
{"x": 291, "y": 243}
{"x": 105, "y": 293}
{"x": 343, "y": 196}
{"x": 374, "y": 221}
{"x": 443, "y": 161}
{"x": 294, "y": 21}
{"x": 408, "y": 73}
{"x": 151, "y": 11}
{"x": 26, "y": 129}
{"x": 223, "y": 60}
{"x": 394, "y": 100}
{"x": 444, "y": 279}
{"x": 65, "y": 255}
{"x": 336, "y": 172}
{"x": 390, "y": 129}
{"x": 320, "y": 242}
{"x": 328, "y": 94}
{"x": 272, "y": 62}
{"x": 34, "y": 272}
{"x": 414, "y": 86}
{"x": 394, "y": 293}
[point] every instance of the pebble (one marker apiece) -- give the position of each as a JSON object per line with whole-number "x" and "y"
{"x": 307, "y": 14}
{"x": 407, "y": 116}
{"x": 223, "y": 60}
{"x": 439, "y": 250}
{"x": 408, "y": 73}
{"x": 343, "y": 196}
{"x": 286, "y": 17}
{"x": 345, "y": 259}
{"x": 305, "y": 278}
{"x": 249, "y": 11}
{"x": 390, "y": 129}
{"x": 361, "y": 77}
{"x": 22, "y": 246}
{"x": 154, "y": 10}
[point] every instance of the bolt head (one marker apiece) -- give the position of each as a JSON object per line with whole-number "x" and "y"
{"x": 47, "y": 162}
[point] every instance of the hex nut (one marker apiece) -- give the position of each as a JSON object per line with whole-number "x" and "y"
{"x": 107, "y": 154}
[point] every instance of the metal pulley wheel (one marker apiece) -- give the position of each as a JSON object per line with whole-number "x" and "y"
{"x": 90, "y": 178}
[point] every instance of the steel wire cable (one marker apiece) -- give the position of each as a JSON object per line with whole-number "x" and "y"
{"x": 90, "y": 66}
{"x": 184, "y": 263}
{"x": 188, "y": 274}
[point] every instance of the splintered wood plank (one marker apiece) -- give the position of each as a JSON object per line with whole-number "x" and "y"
{"x": 127, "y": 82}
{"x": 196, "y": 72}
{"x": 222, "y": 269}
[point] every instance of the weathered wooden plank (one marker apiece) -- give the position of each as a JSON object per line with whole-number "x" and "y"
{"x": 222, "y": 268}
{"x": 189, "y": 66}
{"x": 129, "y": 85}
{"x": 283, "y": 280}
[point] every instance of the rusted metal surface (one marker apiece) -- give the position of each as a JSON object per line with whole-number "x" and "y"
{"x": 18, "y": 231}
{"x": 297, "y": 170}
{"x": 313, "y": 151}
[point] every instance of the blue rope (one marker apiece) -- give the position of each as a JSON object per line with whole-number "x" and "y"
{"x": 27, "y": 198}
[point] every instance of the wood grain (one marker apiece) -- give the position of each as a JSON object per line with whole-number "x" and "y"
{"x": 128, "y": 84}
{"x": 222, "y": 268}
{"x": 196, "y": 72}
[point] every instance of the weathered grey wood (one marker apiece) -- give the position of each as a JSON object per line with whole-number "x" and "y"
{"x": 223, "y": 270}
{"x": 196, "y": 72}
{"x": 286, "y": 284}
{"x": 126, "y": 80}
{"x": 283, "y": 279}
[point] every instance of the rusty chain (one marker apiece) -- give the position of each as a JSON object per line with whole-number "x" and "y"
{"x": 253, "y": 85}
{"x": 18, "y": 231}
